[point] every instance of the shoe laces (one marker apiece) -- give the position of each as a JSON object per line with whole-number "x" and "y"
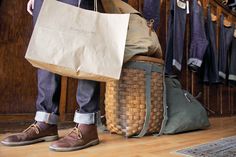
{"x": 77, "y": 131}
{"x": 34, "y": 126}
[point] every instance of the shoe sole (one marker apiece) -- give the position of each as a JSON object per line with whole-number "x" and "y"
{"x": 42, "y": 139}
{"x": 58, "y": 149}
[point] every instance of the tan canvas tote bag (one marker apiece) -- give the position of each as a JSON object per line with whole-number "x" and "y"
{"x": 78, "y": 43}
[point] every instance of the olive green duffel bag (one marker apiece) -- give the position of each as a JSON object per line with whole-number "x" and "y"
{"x": 185, "y": 113}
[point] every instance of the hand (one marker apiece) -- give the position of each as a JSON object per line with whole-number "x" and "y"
{"x": 30, "y": 7}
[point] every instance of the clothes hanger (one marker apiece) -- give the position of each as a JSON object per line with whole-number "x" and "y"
{"x": 227, "y": 23}
{"x": 225, "y": 2}
{"x": 199, "y": 2}
{"x": 213, "y": 17}
{"x": 208, "y": 3}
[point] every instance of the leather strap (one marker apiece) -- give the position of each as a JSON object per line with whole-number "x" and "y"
{"x": 148, "y": 68}
{"x": 164, "y": 121}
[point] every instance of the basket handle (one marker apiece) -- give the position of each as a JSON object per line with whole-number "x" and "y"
{"x": 148, "y": 75}
{"x": 148, "y": 59}
{"x": 148, "y": 68}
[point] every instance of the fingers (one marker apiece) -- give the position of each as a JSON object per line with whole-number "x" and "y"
{"x": 32, "y": 4}
{"x": 29, "y": 7}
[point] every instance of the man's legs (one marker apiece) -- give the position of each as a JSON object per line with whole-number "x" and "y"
{"x": 47, "y": 104}
{"x": 87, "y": 97}
{"x": 84, "y": 133}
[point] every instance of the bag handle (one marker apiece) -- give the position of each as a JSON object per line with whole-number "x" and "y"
{"x": 79, "y": 1}
{"x": 95, "y": 5}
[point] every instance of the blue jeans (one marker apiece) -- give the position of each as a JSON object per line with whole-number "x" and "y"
{"x": 199, "y": 41}
{"x": 232, "y": 64}
{"x": 225, "y": 40}
{"x": 210, "y": 73}
{"x": 49, "y": 86}
{"x": 175, "y": 39}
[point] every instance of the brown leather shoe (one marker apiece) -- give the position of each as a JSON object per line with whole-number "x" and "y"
{"x": 80, "y": 137}
{"x": 37, "y": 132}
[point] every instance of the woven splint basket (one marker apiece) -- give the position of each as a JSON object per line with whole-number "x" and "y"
{"x": 135, "y": 105}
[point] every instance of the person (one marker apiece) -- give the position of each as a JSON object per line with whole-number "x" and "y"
{"x": 84, "y": 134}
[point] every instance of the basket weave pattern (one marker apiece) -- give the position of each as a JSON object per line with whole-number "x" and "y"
{"x": 125, "y": 102}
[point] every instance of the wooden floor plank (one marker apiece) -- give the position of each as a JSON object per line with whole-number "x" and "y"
{"x": 116, "y": 146}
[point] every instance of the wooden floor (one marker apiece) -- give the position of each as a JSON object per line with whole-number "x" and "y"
{"x": 116, "y": 146}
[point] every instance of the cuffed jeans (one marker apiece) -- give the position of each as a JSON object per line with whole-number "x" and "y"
{"x": 175, "y": 39}
{"x": 232, "y": 65}
{"x": 210, "y": 73}
{"x": 199, "y": 41}
{"x": 49, "y": 86}
{"x": 225, "y": 40}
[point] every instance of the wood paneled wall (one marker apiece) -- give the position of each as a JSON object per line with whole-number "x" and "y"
{"x": 219, "y": 98}
{"x": 18, "y": 78}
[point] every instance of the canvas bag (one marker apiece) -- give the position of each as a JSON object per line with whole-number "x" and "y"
{"x": 141, "y": 37}
{"x": 185, "y": 113}
{"x": 78, "y": 43}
